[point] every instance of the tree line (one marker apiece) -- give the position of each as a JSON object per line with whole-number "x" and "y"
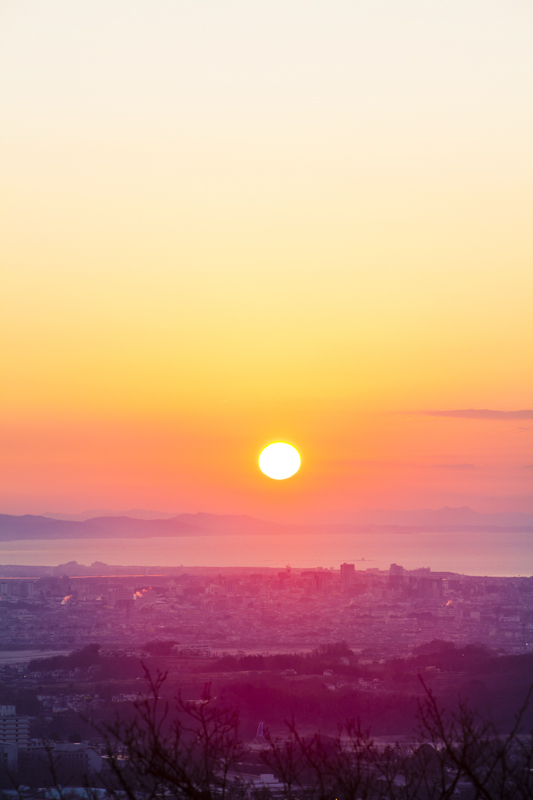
{"x": 192, "y": 750}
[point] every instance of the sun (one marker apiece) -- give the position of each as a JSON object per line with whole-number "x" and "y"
{"x": 279, "y": 460}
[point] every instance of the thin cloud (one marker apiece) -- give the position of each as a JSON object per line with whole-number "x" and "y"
{"x": 480, "y": 413}
{"x": 364, "y": 462}
{"x": 352, "y": 462}
{"x": 454, "y": 466}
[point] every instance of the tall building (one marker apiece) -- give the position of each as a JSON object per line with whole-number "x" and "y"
{"x": 396, "y": 576}
{"x": 347, "y": 575}
{"x": 13, "y": 729}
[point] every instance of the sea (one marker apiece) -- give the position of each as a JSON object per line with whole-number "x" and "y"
{"x": 489, "y": 553}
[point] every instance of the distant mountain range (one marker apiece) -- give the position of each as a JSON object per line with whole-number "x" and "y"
{"x": 133, "y": 513}
{"x": 28, "y": 526}
{"x": 459, "y": 515}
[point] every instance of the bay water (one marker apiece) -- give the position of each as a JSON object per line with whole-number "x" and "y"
{"x": 488, "y": 553}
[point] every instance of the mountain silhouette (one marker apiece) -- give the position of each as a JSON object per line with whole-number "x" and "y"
{"x": 30, "y": 526}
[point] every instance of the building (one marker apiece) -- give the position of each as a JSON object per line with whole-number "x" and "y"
{"x": 347, "y": 575}
{"x": 13, "y": 729}
{"x": 8, "y": 758}
{"x": 62, "y": 762}
{"x": 120, "y": 597}
{"x": 430, "y": 587}
{"x": 15, "y": 588}
{"x": 396, "y": 576}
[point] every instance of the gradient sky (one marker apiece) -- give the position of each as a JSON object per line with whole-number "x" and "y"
{"x": 227, "y": 223}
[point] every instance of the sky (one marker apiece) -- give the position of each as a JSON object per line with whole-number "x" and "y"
{"x": 226, "y": 224}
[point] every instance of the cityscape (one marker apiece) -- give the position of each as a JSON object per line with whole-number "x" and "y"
{"x": 76, "y": 641}
{"x": 213, "y": 610}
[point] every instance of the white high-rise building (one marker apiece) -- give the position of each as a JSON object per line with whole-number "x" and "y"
{"x": 13, "y": 729}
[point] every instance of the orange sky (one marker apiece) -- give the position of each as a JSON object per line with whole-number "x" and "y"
{"x": 226, "y": 224}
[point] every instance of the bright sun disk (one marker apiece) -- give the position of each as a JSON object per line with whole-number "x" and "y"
{"x": 279, "y": 460}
